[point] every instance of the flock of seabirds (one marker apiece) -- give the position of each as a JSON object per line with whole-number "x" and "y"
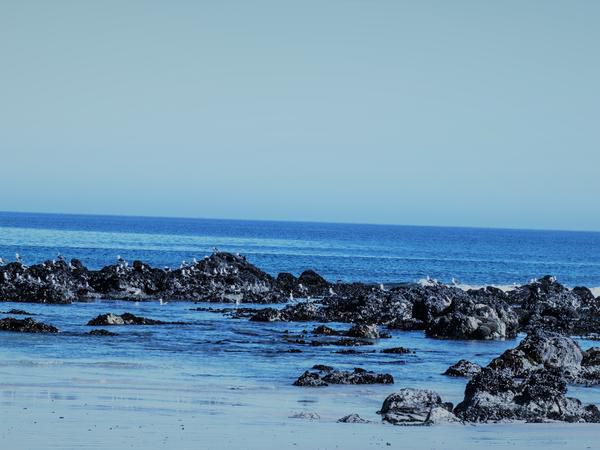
{"x": 527, "y": 383}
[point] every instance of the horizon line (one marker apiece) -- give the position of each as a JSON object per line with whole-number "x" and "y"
{"x": 326, "y": 222}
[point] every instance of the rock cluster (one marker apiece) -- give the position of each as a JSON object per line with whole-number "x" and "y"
{"x": 222, "y": 277}
{"x": 493, "y": 396}
{"x": 324, "y": 375}
{"x": 416, "y": 407}
{"x": 527, "y": 384}
{"x": 442, "y": 311}
{"x": 449, "y": 312}
{"x": 25, "y": 326}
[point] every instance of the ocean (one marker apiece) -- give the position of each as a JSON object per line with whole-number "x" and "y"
{"x": 219, "y": 382}
{"x": 348, "y": 252}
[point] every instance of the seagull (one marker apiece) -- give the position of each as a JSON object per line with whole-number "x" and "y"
{"x": 17, "y": 257}
{"x": 160, "y": 300}
{"x": 1, "y": 261}
{"x": 381, "y": 287}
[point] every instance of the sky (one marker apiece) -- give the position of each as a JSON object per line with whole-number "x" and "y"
{"x": 467, "y": 113}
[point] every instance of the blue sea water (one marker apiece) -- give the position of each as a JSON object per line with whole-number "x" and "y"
{"x": 218, "y": 382}
{"x": 349, "y": 252}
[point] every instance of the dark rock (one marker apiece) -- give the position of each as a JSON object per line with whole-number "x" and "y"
{"x": 311, "y": 283}
{"x": 353, "y": 418}
{"x": 267, "y": 315}
{"x": 326, "y": 331}
{"x": 546, "y": 304}
{"x": 322, "y": 368}
{"x": 358, "y": 376}
{"x": 310, "y": 379}
{"x": 463, "y": 368}
{"x": 494, "y": 396}
{"x": 222, "y": 277}
{"x": 538, "y": 350}
{"x": 18, "y": 312}
{"x": 590, "y": 367}
{"x": 287, "y": 282}
{"x": 123, "y": 319}
{"x": 366, "y": 332}
{"x": 102, "y": 333}
{"x": 397, "y": 350}
{"x": 325, "y": 375}
{"x": 473, "y": 319}
{"x": 416, "y": 407}
{"x": 350, "y": 342}
{"x": 25, "y": 326}
{"x": 591, "y": 357}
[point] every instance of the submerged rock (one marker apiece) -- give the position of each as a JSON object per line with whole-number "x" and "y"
{"x": 306, "y": 415}
{"x": 25, "y": 326}
{"x": 463, "y": 368}
{"x": 325, "y": 375}
{"x": 353, "y": 418}
{"x": 324, "y": 330}
{"x": 397, "y": 351}
{"x": 416, "y": 407}
{"x": 102, "y": 333}
{"x": 123, "y": 319}
{"x": 18, "y": 312}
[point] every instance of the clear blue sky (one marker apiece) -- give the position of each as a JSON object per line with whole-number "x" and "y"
{"x": 473, "y": 113}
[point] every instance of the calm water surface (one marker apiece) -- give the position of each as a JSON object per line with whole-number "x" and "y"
{"x": 223, "y": 383}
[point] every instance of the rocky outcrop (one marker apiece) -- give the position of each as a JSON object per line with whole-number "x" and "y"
{"x": 463, "y": 368}
{"x": 443, "y": 311}
{"x": 483, "y": 314}
{"x": 222, "y": 277}
{"x": 25, "y": 326}
{"x": 541, "y": 350}
{"x": 416, "y": 407}
{"x": 325, "y": 375}
{"x": 547, "y": 304}
{"x": 495, "y": 396}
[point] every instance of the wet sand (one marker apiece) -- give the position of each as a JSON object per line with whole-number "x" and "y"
{"x": 227, "y": 384}
{"x": 51, "y": 406}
